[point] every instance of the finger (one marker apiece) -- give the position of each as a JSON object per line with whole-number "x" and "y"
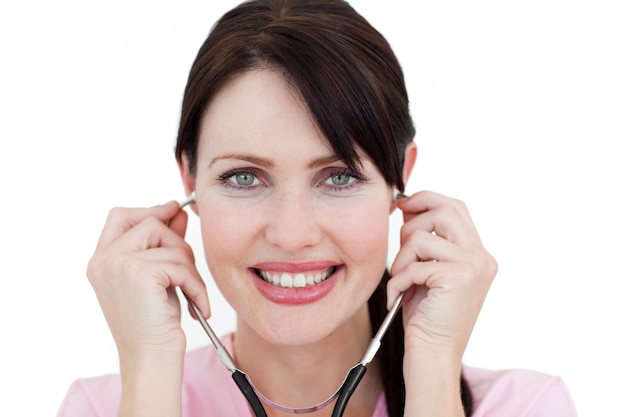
{"x": 424, "y": 246}
{"x": 120, "y": 220}
{"x": 408, "y": 280}
{"x": 179, "y": 223}
{"x": 150, "y": 233}
{"x": 422, "y": 276}
{"x": 424, "y": 201}
{"x": 444, "y": 221}
{"x": 199, "y": 296}
{"x": 193, "y": 286}
{"x": 175, "y": 254}
{"x": 185, "y": 276}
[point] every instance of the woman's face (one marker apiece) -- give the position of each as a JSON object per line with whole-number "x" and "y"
{"x": 295, "y": 240}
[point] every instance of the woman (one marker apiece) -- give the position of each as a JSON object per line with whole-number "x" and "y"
{"x": 295, "y": 131}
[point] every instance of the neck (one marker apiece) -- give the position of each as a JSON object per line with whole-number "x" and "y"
{"x": 304, "y": 375}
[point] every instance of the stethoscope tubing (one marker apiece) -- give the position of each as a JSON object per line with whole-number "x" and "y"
{"x": 347, "y": 389}
{"x": 344, "y": 393}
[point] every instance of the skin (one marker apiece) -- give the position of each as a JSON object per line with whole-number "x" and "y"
{"x": 271, "y": 195}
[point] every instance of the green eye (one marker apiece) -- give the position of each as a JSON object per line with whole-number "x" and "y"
{"x": 340, "y": 179}
{"x": 244, "y": 179}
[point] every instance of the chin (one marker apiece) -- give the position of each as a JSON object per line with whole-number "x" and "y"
{"x": 296, "y": 327}
{"x": 306, "y": 326}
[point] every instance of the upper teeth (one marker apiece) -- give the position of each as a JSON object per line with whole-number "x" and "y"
{"x": 294, "y": 281}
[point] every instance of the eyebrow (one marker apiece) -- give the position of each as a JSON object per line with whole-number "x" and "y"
{"x": 267, "y": 163}
{"x": 264, "y": 162}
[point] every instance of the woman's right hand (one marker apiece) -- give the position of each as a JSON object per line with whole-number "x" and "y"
{"x": 140, "y": 258}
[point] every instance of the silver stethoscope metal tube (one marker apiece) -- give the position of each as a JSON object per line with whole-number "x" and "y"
{"x": 252, "y": 394}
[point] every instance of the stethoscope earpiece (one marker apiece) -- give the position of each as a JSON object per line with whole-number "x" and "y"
{"x": 191, "y": 198}
{"x": 397, "y": 195}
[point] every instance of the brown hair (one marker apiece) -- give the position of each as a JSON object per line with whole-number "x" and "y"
{"x": 353, "y": 85}
{"x": 344, "y": 70}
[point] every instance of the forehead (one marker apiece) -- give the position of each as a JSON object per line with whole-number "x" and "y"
{"x": 258, "y": 107}
{"x": 259, "y": 112}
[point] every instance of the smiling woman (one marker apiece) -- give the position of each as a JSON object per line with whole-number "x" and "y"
{"x": 294, "y": 135}
{"x": 296, "y": 218}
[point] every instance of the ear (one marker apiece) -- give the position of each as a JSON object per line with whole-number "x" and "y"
{"x": 189, "y": 179}
{"x": 410, "y": 156}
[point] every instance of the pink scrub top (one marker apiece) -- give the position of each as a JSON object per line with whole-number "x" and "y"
{"x": 208, "y": 390}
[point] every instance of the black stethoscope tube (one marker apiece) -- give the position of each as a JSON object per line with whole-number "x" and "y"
{"x": 248, "y": 392}
{"x": 347, "y": 389}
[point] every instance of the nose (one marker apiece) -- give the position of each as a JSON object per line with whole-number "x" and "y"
{"x": 293, "y": 222}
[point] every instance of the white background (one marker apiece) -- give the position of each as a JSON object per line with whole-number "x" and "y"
{"x": 520, "y": 111}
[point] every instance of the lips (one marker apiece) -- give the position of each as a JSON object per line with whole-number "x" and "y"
{"x": 290, "y": 280}
{"x": 295, "y": 283}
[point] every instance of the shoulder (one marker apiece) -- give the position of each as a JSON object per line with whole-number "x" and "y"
{"x": 207, "y": 388}
{"x": 518, "y": 392}
{"x": 98, "y": 397}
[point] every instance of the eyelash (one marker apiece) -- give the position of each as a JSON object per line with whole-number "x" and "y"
{"x": 225, "y": 178}
{"x": 356, "y": 179}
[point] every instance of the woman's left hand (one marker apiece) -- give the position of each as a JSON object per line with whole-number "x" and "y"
{"x": 445, "y": 269}
{"x": 446, "y": 273}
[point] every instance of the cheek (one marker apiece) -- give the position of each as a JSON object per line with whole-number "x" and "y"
{"x": 364, "y": 233}
{"x": 226, "y": 234}
{"x": 360, "y": 231}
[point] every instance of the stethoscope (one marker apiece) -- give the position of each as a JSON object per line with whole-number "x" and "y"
{"x": 254, "y": 396}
